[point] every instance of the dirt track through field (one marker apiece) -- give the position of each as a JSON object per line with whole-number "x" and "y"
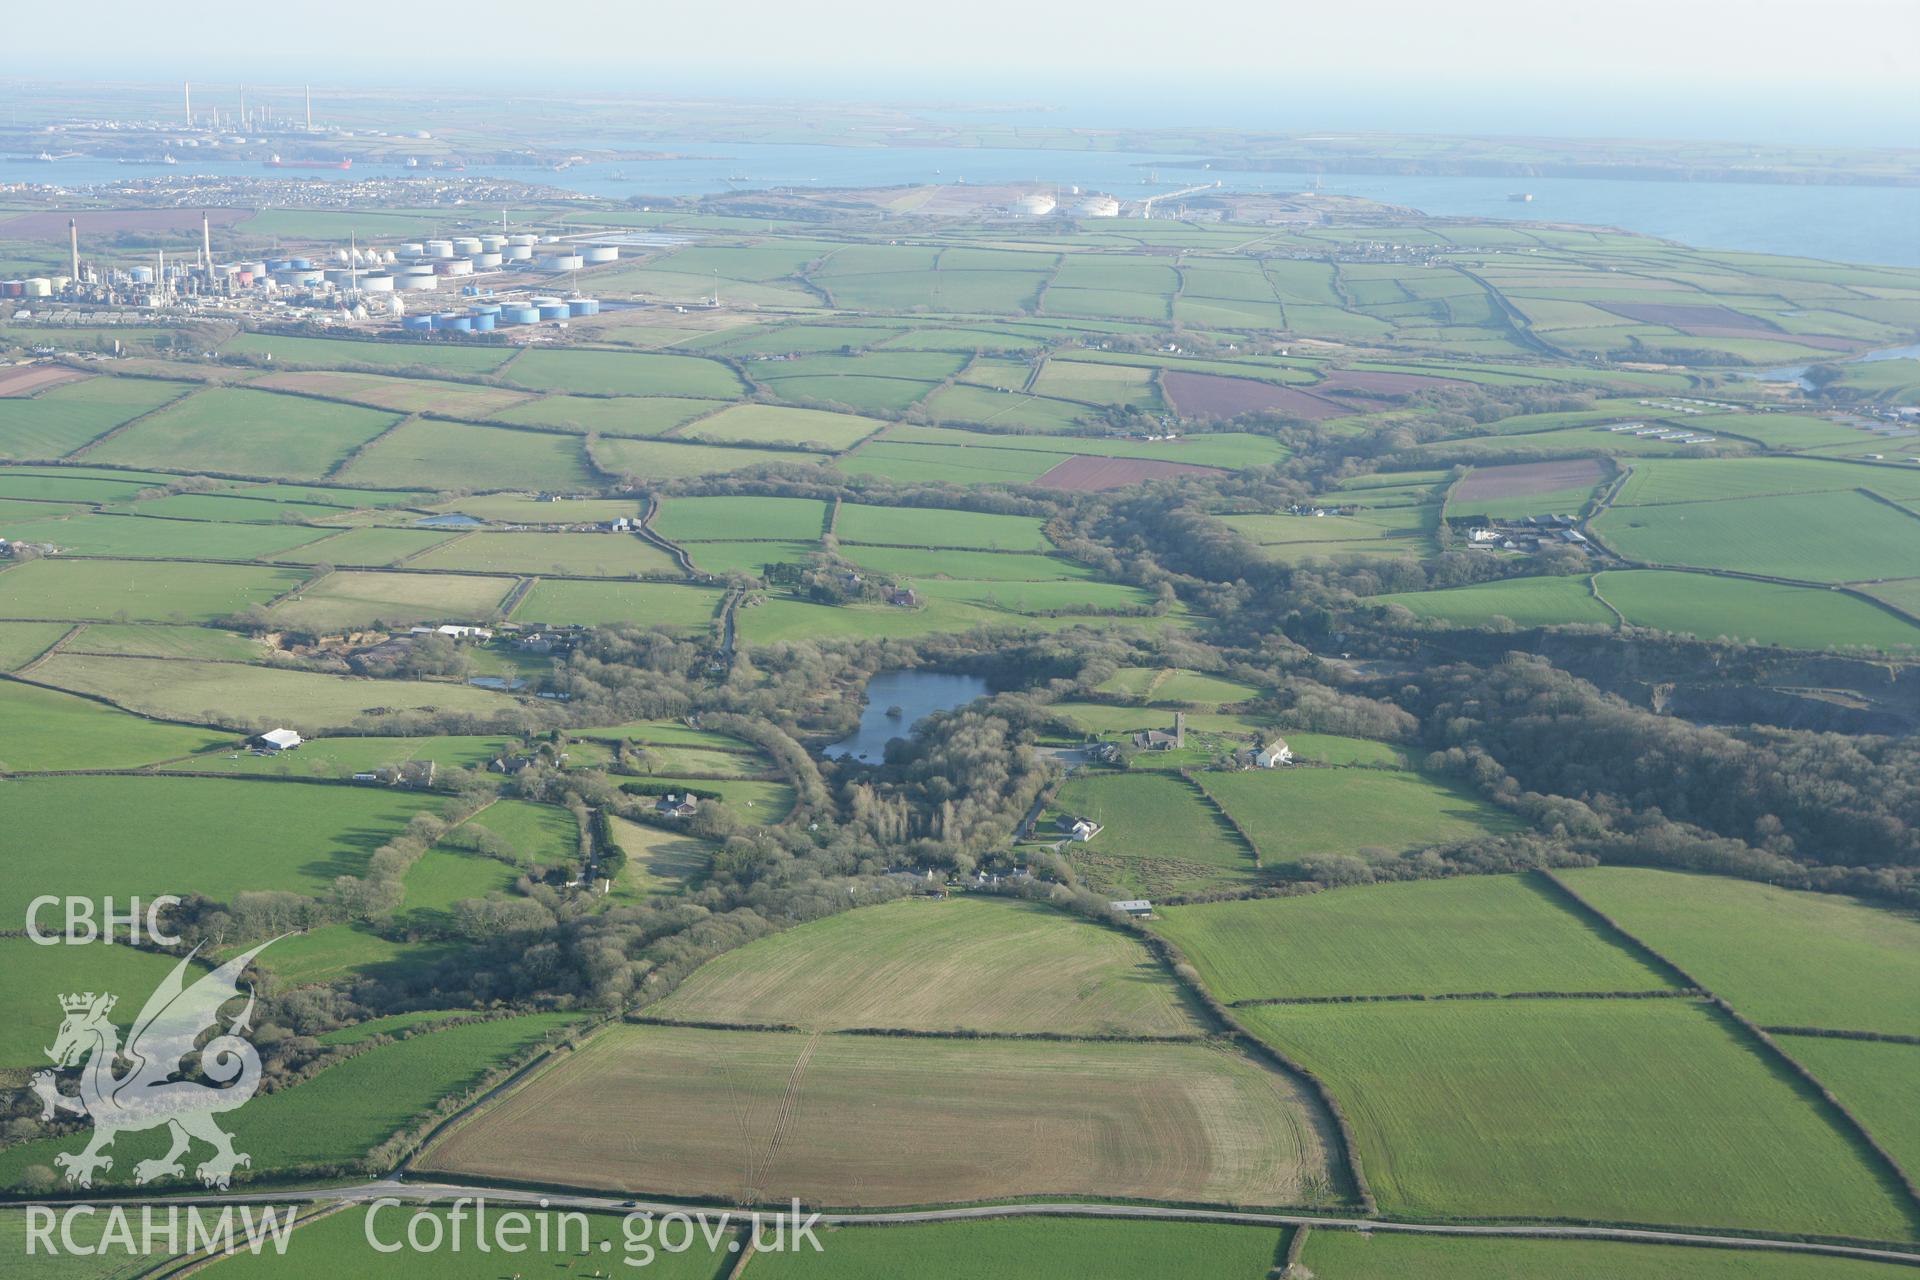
{"x": 1085, "y": 473}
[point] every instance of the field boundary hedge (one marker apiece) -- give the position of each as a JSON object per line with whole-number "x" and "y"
{"x": 1665, "y": 994}
{"x": 1348, "y": 1153}
{"x": 1832, "y": 1033}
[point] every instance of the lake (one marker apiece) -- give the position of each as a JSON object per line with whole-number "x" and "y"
{"x": 915, "y": 695}
{"x": 1847, "y": 224}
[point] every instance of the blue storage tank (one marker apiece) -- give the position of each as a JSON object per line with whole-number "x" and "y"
{"x": 416, "y": 324}
{"x": 481, "y": 323}
{"x": 279, "y": 264}
{"x": 553, "y": 311}
{"x": 301, "y": 264}
{"x": 517, "y": 314}
{"x": 486, "y": 309}
{"x": 443, "y": 319}
{"x": 583, "y": 307}
{"x": 460, "y": 324}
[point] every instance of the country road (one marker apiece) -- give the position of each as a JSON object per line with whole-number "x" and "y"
{"x": 429, "y": 1192}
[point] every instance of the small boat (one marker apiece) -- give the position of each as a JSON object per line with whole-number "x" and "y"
{"x": 1521, "y": 197}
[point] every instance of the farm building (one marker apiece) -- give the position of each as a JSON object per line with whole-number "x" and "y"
{"x": 1138, "y": 908}
{"x": 279, "y": 739}
{"x": 1271, "y": 756}
{"x": 1081, "y": 829}
{"x": 673, "y": 805}
{"x": 1160, "y": 740}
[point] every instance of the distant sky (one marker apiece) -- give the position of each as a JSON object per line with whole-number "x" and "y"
{"x": 1791, "y": 70}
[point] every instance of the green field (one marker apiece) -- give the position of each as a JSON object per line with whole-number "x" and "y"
{"x": 1300, "y": 813}
{"x": 936, "y": 527}
{"x": 1149, "y": 815}
{"x": 228, "y": 694}
{"x": 348, "y": 598}
{"x": 732, "y": 519}
{"x": 1174, "y": 685}
{"x": 1783, "y": 958}
{"x": 617, "y": 373}
{"x": 607, "y": 415}
{"x": 657, "y": 861}
{"x": 336, "y": 1117}
{"x": 1527, "y": 602}
{"x": 1352, "y": 1255}
{"x": 136, "y": 538}
{"x": 647, "y": 460}
{"x": 63, "y": 418}
{"x": 150, "y": 836}
{"x": 156, "y": 640}
{"x": 22, "y": 642}
{"x": 333, "y": 353}
{"x": 344, "y": 757}
{"x": 1656, "y": 1111}
{"x": 778, "y": 425}
{"x": 44, "y": 729}
{"x": 455, "y": 455}
{"x": 373, "y": 547}
{"x": 960, "y": 964}
{"x": 1875, "y": 1080}
{"x": 37, "y": 976}
{"x": 1059, "y": 1248}
{"x": 131, "y": 590}
{"x": 605, "y": 555}
{"x": 1759, "y": 612}
{"x": 595, "y": 604}
{"x": 1471, "y": 934}
{"x": 1820, "y": 537}
{"x": 528, "y": 832}
{"x": 974, "y": 566}
{"x": 338, "y": 1245}
{"x": 233, "y": 431}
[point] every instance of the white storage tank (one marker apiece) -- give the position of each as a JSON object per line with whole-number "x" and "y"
{"x": 457, "y": 267}
{"x": 493, "y": 242}
{"x": 413, "y": 283}
{"x": 376, "y": 282}
{"x": 1097, "y": 207}
{"x": 518, "y": 252}
{"x": 439, "y": 248}
{"x": 600, "y": 253}
{"x": 523, "y": 238}
{"x": 413, "y": 249}
{"x": 1036, "y": 205}
{"x": 561, "y": 262}
{"x": 466, "y": 246}
{"x": 487, "y": 261}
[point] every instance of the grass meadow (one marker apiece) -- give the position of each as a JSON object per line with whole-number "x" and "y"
{"x": 1782, "y": 957}
{"x": 956, "y": 964}
{"x": 1470, "y": 934}
{"x": 1654, "y": 1111}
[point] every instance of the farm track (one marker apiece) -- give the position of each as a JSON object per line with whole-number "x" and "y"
{"x": 431, "y": 1192}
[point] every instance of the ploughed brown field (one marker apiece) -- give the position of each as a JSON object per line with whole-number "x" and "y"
{"x": 1529, "y": 477}
{"x": 43, "y": 226}
{"x": 1089, "y": 474}
{"x": 24, "y": 380}
{"x": 860, "y": 1120}
{"x": 1208, "y": 395}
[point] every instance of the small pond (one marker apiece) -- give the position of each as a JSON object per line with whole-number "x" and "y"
{"x": 897, "y": 701}
{"x": 452, "y": 520}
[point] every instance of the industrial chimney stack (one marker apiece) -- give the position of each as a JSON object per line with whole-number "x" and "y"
{"x": 309, "y": 108}
{"x": 206, "y": 242}
{"x": 73, "y": 250}
{"x": 187, "y": 89}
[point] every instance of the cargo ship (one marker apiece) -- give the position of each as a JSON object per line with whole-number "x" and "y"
{"x": 275, "y": 162}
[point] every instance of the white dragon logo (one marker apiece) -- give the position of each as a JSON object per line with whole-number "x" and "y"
{"x": 146, "y": 1096}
